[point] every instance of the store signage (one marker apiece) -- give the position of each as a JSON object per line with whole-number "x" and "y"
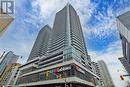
{"x": 7, "y": 7}
{"x": 64, "y": 68}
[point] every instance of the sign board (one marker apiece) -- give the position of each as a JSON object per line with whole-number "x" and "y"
{"x": 7, "y": 7}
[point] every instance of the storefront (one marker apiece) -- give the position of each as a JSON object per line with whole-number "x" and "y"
{"x": 57, "y": 73}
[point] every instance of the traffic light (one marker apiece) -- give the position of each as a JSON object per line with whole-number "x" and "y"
{"x": 121, "y": 76}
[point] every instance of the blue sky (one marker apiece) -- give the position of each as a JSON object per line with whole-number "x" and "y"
{"x": 98, "y": 19}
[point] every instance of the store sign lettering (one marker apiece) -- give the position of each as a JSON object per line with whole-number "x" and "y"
{"x": 64, "y": 68}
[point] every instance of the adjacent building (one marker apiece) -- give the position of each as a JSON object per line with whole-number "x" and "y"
{"x": 105, "y": 75}
{"x": 8, "y": 76}
{"x": 5, "y": 21}
{"x": 100, "y": 69}
{"x": 9, "y": 58}
{"x": 123, "y": 25}
{"x": 59, "y": 56}
{"x": 125, "y": 64}
{"x": 99, "y": 82}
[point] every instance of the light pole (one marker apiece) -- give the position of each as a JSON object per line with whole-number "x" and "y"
{"x": 65, "y": 79}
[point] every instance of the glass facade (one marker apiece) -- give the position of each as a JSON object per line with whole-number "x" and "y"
{"x": 72, "y": 53}
{"x": 9, "y": 58}
{"x": 27, "y": 70}
{"x": 56, "y": 73}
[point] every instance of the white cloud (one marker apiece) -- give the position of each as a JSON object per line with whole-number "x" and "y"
{"x": 48, "y": 9}
{"x": 106, "y": 27}
{"x": 85, "y": 9}
{"x": 110, "y": 55}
